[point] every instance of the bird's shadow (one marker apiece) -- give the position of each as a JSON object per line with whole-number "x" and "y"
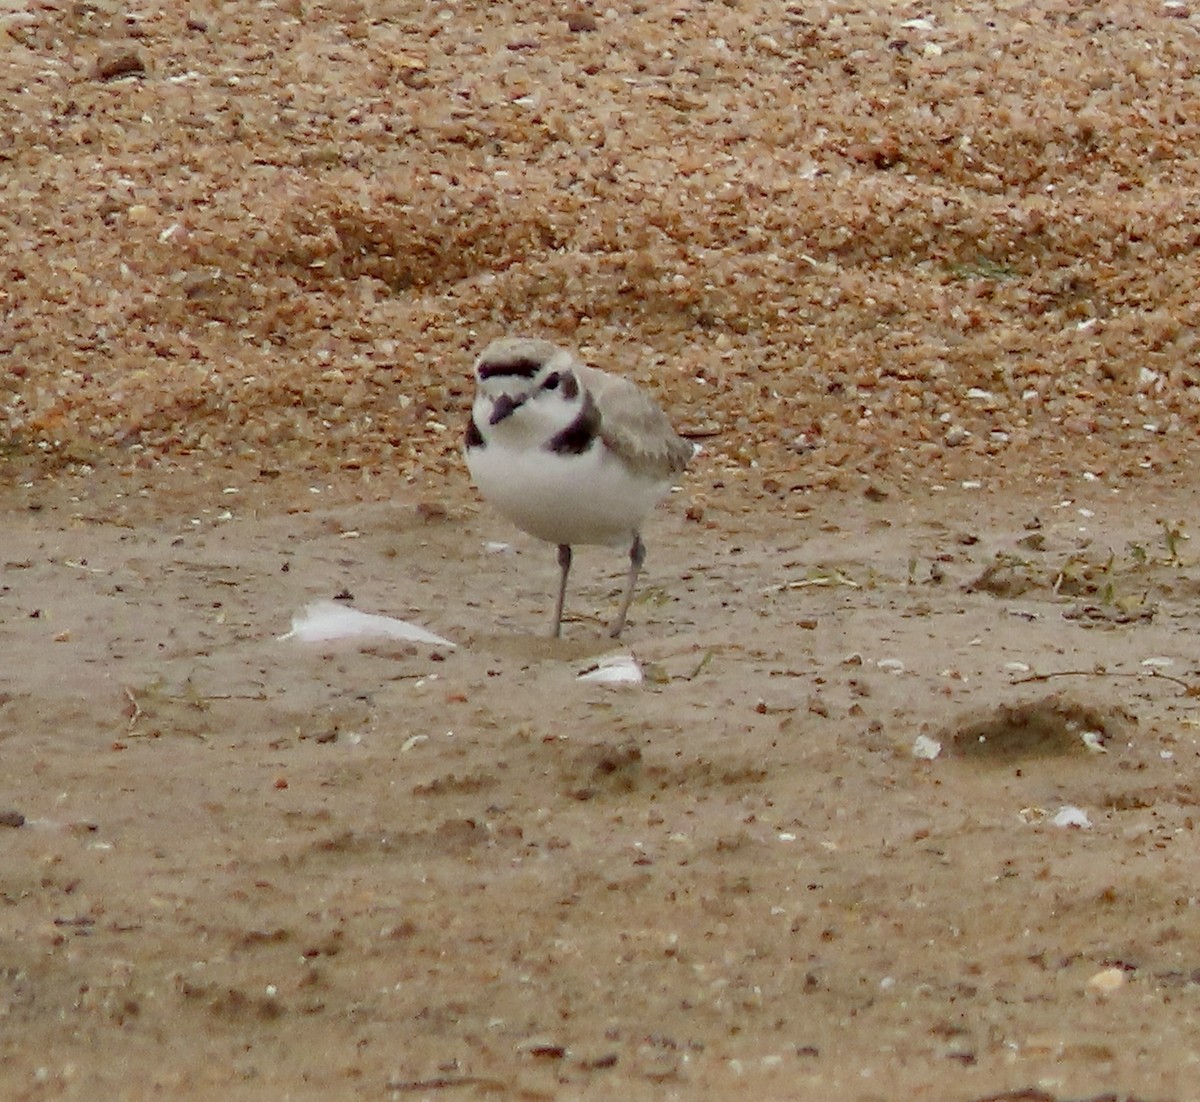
{"x": 528, "y": 648}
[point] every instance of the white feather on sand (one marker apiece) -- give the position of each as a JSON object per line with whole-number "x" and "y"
{"x": 325, "y": 621}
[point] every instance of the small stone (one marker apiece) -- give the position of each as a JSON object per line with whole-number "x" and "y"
{"x": 11, "y": 819}
{"x": 121, "y": 62}
{"x": 1072, "y": 816}
{"x": 581, "y": 22}
{"x": 1106, "y": 981}
{"x": 926, "y": 748}
{"x": 881, "y": 154}
{"x": 431, "y": 510}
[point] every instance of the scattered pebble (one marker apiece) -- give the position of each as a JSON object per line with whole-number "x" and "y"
{"x": 120, "y": 62}
{"x": 581, "y": 21}
{"x": 1108, "y": 980}
{"x": 926, "y": 748}
{"x": 1071, "y": 816}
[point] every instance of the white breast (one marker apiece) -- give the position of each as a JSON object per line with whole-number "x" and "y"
{"x": 588, "y": 498}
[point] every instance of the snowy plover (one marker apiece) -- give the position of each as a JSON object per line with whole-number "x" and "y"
{"x": 568, "y": 453}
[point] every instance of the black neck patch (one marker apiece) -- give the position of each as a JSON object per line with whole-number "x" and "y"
{"x": 474, "y": 436}
{"x": 521, "y": 368}
{"x": 578, "y": 436}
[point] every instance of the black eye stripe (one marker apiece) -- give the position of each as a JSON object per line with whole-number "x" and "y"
{"x": 523, "y": 368}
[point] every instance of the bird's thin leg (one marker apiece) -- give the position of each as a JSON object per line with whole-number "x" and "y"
{"x": 564, "y": 564}
{"x": 637, "y": 556}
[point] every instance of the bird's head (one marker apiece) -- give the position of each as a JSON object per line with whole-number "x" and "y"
{"x": 526, "y": 382}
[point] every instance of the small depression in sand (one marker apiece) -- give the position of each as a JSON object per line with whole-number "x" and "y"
{"x": 1050, "y": 726}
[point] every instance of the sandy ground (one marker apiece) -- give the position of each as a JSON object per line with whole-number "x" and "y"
{"x": 256, "y": 868}
{"x": 904, "y": 805}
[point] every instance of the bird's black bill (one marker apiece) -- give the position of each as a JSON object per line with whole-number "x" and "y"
{"x": 505, "y": 406}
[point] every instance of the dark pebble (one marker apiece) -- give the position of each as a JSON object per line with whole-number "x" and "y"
{"x": 122, "y": 62}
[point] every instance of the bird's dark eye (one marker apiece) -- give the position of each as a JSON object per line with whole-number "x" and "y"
{"x": 552, "y": 381}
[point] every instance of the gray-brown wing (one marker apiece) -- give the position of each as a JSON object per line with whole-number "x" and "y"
{"x": 633, "y": 425}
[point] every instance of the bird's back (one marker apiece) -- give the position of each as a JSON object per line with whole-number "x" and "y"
{"x": 634, "y": 426}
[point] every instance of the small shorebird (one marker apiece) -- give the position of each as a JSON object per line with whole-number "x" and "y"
{"x": 569, "y": 453}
